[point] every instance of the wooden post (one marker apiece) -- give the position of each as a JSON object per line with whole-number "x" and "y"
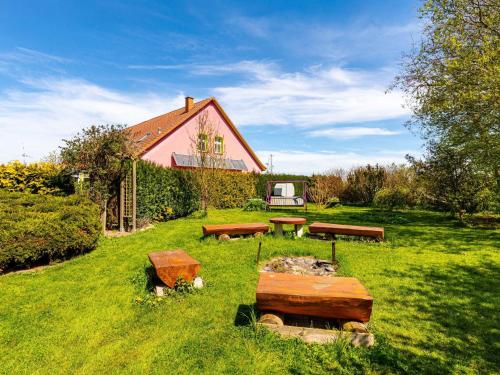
{"x": 134, "y": 195}
{"x": 305, "y": 195}
{"x": 122, "y": 203}
{"x": 258, "y": 252}
{"x": 334, "y": 260}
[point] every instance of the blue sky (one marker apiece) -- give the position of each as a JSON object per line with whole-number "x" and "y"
{"x": 305, "y": 81}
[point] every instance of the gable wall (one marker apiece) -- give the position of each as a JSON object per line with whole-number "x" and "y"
{"x": 180, "y": 142}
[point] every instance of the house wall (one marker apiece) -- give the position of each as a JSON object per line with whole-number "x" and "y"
{"x": 180, "y": 142}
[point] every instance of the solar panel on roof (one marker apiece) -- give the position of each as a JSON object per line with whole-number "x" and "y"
{"x": 192, "y": 161}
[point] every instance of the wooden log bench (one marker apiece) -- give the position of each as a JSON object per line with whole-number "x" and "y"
{"x": 349, "y": 230}
{"x": 320, "y": 296}
{"x": 297, "y": 222}
{"x": 235, "y": 229}
{"x": 170, "y": 265}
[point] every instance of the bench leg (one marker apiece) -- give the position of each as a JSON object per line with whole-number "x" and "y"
{"x": 278, "y": 230}
{"x": 299, "y": 230}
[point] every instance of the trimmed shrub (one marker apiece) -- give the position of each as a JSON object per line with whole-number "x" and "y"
{"x": 231, "y": 190}
{"x": 164, "y": 193}
{"x": 38, "y": 178}
{"x": 390, "y": 198}
{"x": 39, "y": 229}
{"x": 255, "y": 204}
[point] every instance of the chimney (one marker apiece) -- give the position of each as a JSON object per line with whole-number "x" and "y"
{"x": 189, "y": 103}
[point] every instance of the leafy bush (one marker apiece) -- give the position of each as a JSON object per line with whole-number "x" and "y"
{"x": 255, "y": 204}
{"x": 390, "y": 198}
{"x": 38, "y": 178}
{"x": 38, "y": 229}
{"x": 231, "y": 190}
{"x": 485, "y": 201}
{"x": 363, "y": 183}
{"x": 164, "y": 193}
{"x": 167, "y": 193}
{"x": 332, "y": 202}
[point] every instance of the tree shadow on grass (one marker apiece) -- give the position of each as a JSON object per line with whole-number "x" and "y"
{"x": 461, "y": 302}
{"x": 411, "y": 228}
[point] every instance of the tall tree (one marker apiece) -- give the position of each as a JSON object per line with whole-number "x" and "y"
{"x": 452, "y": 79}
{"x": 103, "y": 153}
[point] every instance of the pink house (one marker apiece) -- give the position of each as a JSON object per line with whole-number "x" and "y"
{"x": 168, "y": 139}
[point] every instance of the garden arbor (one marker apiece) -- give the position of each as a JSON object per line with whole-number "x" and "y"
{"x": 128, "y": 199}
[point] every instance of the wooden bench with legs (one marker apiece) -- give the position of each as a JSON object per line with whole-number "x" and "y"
{"x": 348, "y": 230}
{"x": 223, "y": 231}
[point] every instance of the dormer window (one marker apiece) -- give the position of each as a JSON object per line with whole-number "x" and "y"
{"x": 219, "y": 145}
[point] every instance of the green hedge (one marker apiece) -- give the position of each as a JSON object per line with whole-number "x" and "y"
{"x": 165, "y": 193}
{"x": 37, "y": 178}
{"x": 231, "y": 190}
{"x": 38, "y": 229}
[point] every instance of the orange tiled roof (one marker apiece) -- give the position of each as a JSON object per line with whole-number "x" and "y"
{"x": 148, "y": 133}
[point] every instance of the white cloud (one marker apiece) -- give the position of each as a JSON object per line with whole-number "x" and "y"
{"x": 307, "y": 163}
{"x": 318, "y": 96}
{"x": 36, "y": 118}
{"x": 352, "y": 132}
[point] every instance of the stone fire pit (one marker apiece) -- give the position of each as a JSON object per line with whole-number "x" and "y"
{"x": 300, "y": 266}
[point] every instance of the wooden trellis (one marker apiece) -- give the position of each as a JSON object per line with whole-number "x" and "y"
{"x": 128, "y": 198}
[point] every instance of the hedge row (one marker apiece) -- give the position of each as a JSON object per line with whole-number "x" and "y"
{"x": 165, "y": 193}
{"x": 231, "y": 190}
{"x": 38, "y": 178}
{"x": 38, "y": 229}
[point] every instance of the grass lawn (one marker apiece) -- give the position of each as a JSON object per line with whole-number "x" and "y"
{"x": 436, "y": 287}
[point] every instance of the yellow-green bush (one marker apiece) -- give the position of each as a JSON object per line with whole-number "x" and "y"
{"x": 38, "y": 178}
{"x": 38, "y": 229}
{"x": 230, "y": 189}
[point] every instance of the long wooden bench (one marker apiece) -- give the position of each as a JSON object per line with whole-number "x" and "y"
{"x": 234, "y": 229}
{"x": 320, "y": 296}
{"x": 349, "y": 230}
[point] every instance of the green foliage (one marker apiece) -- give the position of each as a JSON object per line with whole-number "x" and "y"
{"x": 165, "y": 193}
{"x": 452, "y": 79}
{"x": 332, "y": 202}
{"x": 38, "y": 229}
{"x": 485, "y": 201}
{"x": 103, "y": 152}
{"x": 451, "y": 181}
{"x": 390, "y": 198}
{"x": 37, "y": 178}
{"x": 229, "y": 189}
{"x": 255, "y": 204}
{"x": 363, "y": 183}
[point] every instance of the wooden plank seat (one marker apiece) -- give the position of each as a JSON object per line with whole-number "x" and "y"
{"x": 234, "y": 229}
{"x": 297, "y": 222}
{"x": 170, "y": 265}
{"x": 320, "y": 296}
{"x": 350, "y": 230}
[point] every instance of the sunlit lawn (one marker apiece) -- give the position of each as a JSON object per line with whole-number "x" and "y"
{"x": 435, "y": 285}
